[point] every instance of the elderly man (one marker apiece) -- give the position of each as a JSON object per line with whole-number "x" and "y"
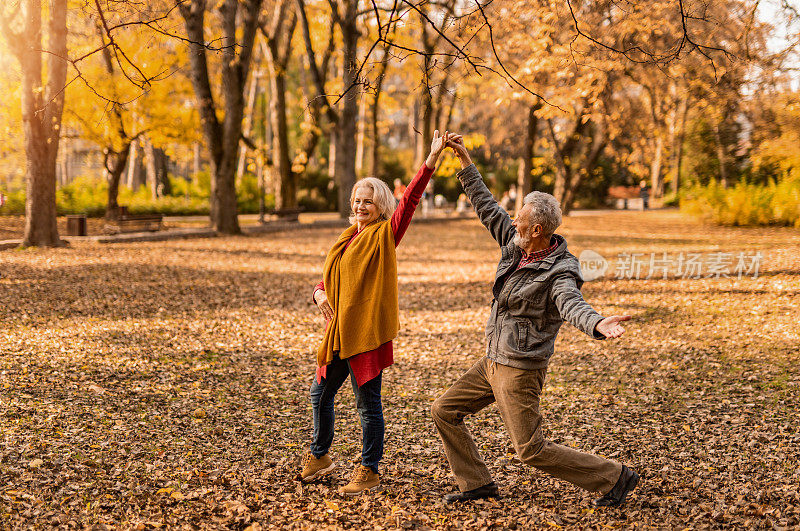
{"x": 537, "y": 288}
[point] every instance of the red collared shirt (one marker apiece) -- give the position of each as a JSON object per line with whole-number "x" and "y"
{"x": 538, "y": 255}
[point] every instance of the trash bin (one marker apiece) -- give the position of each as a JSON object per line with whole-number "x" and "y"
{"x": 76, "y": 225}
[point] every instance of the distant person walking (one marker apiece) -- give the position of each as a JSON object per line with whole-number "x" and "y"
{"x": 427, "y": 200}
{"x": 358, "y": 299}
{"x": 399, "y": 190}
{"x": 644, "y": 193}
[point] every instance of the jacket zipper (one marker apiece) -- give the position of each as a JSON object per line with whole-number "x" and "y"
{"x": 496, "y": 331}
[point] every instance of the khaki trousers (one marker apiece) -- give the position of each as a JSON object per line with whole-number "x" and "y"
{"x": 516, "y": 392}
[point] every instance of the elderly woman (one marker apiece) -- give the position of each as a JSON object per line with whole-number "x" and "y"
{"x": 358, "y": 299}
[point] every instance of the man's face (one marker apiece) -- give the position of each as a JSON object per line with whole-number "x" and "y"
{"x": 525, "y": 232}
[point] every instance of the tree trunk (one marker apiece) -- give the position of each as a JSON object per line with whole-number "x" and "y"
{"x": 525, "y": 177}
{"x": 278, "y": 48}
{"x": 413, "y": 126}
{"x": 594, "y": 149}
{"x": 565, "y": 153}
{"x": 332, "y": 154}
{"x": 286, "y": 185}
{"x": 156, "y": 165}
{"x": 113, "y": 176}
{"x": 361, "y": 135}
{"x": 677, "y": 144}
{"x": 375, "y": 159}
{"x": 62, "y": 168}
{"x": 348, "y": 117}
{"x": 41, "y": 114}
{"x": 426, "y": 103}
{"x": 136, "y": 175}
{"x": 222, "y": 138}
{"x": 197, "y": 159}
{"x": 723, "y": 159}
{"x": 656, "y": 183}
{"x": 424, "y": 140}
{"x": 248, "y": 126}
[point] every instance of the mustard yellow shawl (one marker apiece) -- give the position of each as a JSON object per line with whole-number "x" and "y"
{"x": 361, "y": 285}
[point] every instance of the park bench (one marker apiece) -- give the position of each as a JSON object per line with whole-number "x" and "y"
{"x": 285, "y": 214}
{"x": 134, "y": 223}
{"x": 625, "y": 197}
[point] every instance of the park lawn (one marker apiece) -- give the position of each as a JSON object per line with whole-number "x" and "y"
{"x": 165, "y": 384}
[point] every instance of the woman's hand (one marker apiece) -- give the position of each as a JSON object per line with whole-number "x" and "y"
{"x": 322, "y": 303}
{"x": 456, "y": 143}
{"x": 437, "y": 146}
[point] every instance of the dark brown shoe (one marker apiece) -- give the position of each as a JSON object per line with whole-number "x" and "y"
{"x": 481, "y": 493}
{"x": 627, "y": 481}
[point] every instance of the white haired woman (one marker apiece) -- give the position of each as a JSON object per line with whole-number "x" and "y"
{"x": 358, "y": 299}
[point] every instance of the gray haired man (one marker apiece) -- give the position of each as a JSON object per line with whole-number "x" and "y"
{"x": 537, "y": 288}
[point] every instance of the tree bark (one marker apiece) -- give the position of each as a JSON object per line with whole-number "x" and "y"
{"x": 332, "y": 155}
{"x": 278, "y": 51}
{"x": 156, "y": 166}
{"x": 197, "y": 159}
{"x": 248, "y": 126}
{"x": 721, "y": 156}
{"x": 136, "y": 176}
{"x": 594, "y": 149}
{"x": 316, "y": 103}
{"x": 656, "y": 181}
{"x": 677, "y": 145}
{"x": 348, "y": 116}
{"x": 42, "y": 108}
{"x": 525, "y": 177}
{"x": 375, "y": 159}
{"x": 286, "y": 192}
{"x": 222, "y": 137}
{"x": 114, "y": 166}
{"x": 566, "y": 153}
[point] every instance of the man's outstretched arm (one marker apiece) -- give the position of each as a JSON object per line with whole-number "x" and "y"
{"x": 489, "y": 211}
{"x": 574, "y": 309}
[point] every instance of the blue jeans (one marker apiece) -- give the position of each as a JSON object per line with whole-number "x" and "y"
{"x": 368, "y": 402}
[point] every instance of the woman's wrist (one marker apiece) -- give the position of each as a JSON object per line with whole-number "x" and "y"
{"x": 465, "y": 161}
{"x": 430, "y": 162}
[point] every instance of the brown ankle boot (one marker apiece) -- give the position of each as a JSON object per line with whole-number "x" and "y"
{"x": 314, "y": 468}
{"x": 363, "y": 479}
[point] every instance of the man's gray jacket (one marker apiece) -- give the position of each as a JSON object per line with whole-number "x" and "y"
{"x": 530, "y": 303}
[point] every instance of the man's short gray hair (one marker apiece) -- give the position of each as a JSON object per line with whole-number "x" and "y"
{"x": 545, "y": 211}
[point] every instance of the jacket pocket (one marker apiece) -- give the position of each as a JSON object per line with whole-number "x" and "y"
{"x": 534, "y": 288}
{"x": 522, "y": 336}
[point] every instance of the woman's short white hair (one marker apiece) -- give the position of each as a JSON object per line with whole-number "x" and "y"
{"x": 545, "y": 211}
{"x": 381, "y": 195}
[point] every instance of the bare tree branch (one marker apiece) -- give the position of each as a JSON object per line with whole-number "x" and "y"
{"x": 646, "y": 56}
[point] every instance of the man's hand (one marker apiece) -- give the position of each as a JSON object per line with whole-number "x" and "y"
{"x": 610, "y": 326}
{"x": 322, "y": 303}
{"x": 437, "y": 146}
{"x": 456, "y": 143}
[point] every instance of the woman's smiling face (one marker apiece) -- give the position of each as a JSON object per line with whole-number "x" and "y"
{"x": 364, "y": 206}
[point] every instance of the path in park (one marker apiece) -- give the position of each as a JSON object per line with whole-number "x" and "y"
{"x": 165, "y": 384}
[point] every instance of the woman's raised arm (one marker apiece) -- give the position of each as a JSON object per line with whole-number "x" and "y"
{"x": 408, "y": 204}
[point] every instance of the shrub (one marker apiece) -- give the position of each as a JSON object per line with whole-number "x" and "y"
{"x": 84, "y": 195}
{"x": 15, "y": 198}
{"x": 745, "y": 204}
{"x": 316, "y": 191}
{"x": 89, "y": 196}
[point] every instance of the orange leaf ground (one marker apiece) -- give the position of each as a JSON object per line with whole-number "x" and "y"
{"x": 108, "y": 352}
